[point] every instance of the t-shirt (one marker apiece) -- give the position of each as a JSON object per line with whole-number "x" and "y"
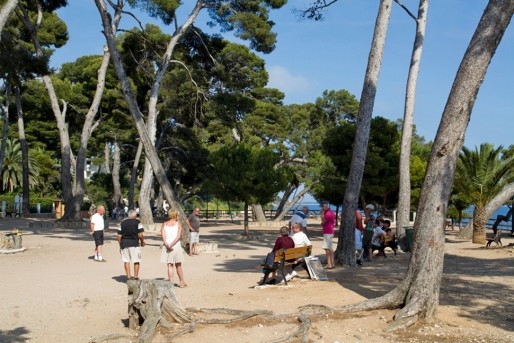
{"x": 330, "y": 218}
{"x": 129, "y": 231}
{"x": 299, "y": 217}
{"x": 283, "y": 242}
{"x": 377, "y": 235}
{"x": 194, "y": 221}
{"x": 300, "y": 239}
{"x": 98, "y": 221}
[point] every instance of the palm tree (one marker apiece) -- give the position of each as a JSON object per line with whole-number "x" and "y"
{"x": 482, "y": 174}
{"x": 12, "y": 168}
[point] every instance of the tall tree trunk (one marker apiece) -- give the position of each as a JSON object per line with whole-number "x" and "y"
{"x": 345, "y": 252}
{"x": 5, "y": 111}
{"x": 287, "y": 194}
{"x": 479, "y": 221}
{"x": 6, "y": 12}
{"x": 145, "y": 194}
{"x": 116, "y": 165}
{"x": 150, "y": 151}
{"x": 245, "y": 221}
{"x": 133, "y": 175}
{"x": 418, "y": 293}
{"x": 258, "y": 213}
{"x": 107, "y": 158}
{"x": 404, "y": 195}
{"x": 25, "y": 208}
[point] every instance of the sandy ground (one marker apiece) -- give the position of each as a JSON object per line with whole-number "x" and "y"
{"x": 55, "y": 292}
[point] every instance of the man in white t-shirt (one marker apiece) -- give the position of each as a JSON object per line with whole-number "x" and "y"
{"x": 300, "y": 239}
{"x": 299, "y": 217}
{"x": 97, "y": 231}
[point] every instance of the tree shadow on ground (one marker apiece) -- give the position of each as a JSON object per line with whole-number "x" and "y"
{"x": 19, "y": 334}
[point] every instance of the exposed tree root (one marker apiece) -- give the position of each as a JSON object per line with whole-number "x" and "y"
{"x": 111, "y": 338}
{"x": 153, "y": 303}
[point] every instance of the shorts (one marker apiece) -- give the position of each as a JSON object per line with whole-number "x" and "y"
{"x": 194, "y": 237}
{"x": 358, "y": 240}
{"x": 99, "y": 237}
{"x": 327, "y": 241}
{"x": 131, "y": 254}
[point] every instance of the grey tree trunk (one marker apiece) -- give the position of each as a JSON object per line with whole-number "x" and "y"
{"x": 133, "y": 175}
{"x": 25, "y": 208}
{"x": 5, "y": 112}
{"x": 408, "y": 121}
{"x": 258, "y": 213}
{"x": 418, "y": 293}
{"x": 6, "y": 11}
{"x": 290, "y": 204}
{"x": 145, "y": 194}
{"x": 505, "y": 195}
{"x": 280, "y": 208}
{"x": 116, "y": 165}
{"x": 107, "y": 159}
{"x": 345, "y": 252}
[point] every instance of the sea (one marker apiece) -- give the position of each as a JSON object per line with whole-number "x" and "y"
{"x": 314, "y": 209}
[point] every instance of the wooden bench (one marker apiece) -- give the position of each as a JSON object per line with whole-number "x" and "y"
{"x": 12, "y": 213}
{"x": 496, "y": 239}
{"x": 285, "y": 257}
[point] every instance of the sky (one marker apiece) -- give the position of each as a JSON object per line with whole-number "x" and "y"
{"x": 332, "y": 54}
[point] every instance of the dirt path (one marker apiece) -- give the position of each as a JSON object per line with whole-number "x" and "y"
{"x": 55, "y": 292}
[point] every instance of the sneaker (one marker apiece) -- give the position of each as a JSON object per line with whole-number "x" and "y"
{"x": 293, "y": 274}
{"x": 96, "y": 257}
{"x": 289, "y": 277}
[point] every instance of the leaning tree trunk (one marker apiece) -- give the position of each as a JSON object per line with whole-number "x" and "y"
{"x": 418, "y": 293}
{"x": 153, "y": 302}
{"x": 5, "y": 132}
{"x": 501, "y": 198}
{"x": 245, "y": 220}
{"x": 290, "y": 204}
{"x": 345, "y": 252}
{"x": 404, "y": 194}
{"x": 479, "y": 221}
{"x": 150, "y": 151}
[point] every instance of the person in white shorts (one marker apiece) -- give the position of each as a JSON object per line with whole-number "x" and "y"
{"x": 130, "y": 237}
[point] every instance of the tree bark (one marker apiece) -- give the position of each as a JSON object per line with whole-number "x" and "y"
{"x": 153, "y": 302}
{"x": 258, "y": 213}
{"x": 479, "y": 221}
{"x": 133, "y": 175}
{"x": 5, "y": 112}
{"x": 404, "y": 196}
{"x": 116, "y": 165}
{"x": 25, "y": 208}
{"x": 6, "y": 12}
{"x": 107, "y": 159}
{"x": 345, "y": 252}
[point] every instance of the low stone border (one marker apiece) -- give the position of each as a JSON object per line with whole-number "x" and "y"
{"x": 12, "y": 251}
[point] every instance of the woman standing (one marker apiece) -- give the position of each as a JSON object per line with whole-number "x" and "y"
{"x": 172, "y": 252}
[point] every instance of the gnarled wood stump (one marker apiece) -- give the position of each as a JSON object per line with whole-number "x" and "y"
{"x": 10, "y": 241}
{"x": 153, "y": 302}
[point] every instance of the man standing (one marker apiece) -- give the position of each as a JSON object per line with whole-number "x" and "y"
{"x": 130, "y": 237}
{"x": 97, "y": 231}
{"x": 299, "y": 217}
{"x": 328, "y": 220}
{"x": 193, "y": 221}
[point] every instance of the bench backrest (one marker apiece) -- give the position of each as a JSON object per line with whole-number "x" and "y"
{"x": 292, "y": 253}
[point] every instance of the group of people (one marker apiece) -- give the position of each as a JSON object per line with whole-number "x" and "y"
{"x": 131, "y": 238}
{"x": 372, "y": 234}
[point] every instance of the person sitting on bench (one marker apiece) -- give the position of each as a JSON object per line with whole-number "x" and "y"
{"x": 282, "y": 242}
{"x": 389, "y": 239}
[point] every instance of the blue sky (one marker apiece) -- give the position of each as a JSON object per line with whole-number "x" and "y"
{"x": 311, "y": 57}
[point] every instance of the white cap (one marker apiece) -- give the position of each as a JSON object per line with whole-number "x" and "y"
{"x": 370, "y": 206}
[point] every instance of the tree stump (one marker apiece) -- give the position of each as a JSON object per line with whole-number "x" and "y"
{"x": 152, "y": 302}
{"x": 10, "y": 241}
